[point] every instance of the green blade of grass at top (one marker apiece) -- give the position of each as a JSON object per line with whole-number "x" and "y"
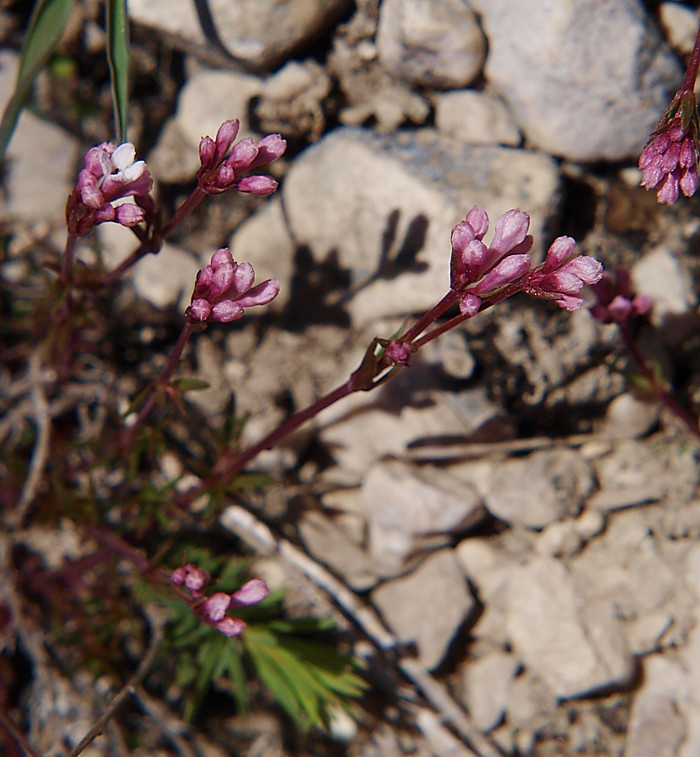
{"x": 49, "y": 19}
{"x": 118, "y": 57}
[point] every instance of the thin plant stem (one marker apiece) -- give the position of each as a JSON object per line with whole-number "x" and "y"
{"x": 141, "y": 251}
{"x": 691, "y": 72}
{"x": 17, "y": 735}
{"x": 128, "y": 690}
{"x": 160, "y": 383}
{"x": 230, "y": 465}
{"x": 661, "y": 394}
{"x": 430, "y": 317}
{"x": 68, "y": 258}
{"x": 197, "y": 195}
{"x": 154, "y": 244}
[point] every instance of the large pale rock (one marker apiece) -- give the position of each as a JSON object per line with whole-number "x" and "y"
{"x": 395, "y": 424}
{"x": 382, "y": 209}
{"x": 42, "y": 159}
{"x": 657, "y": 728}
{"x": 408, "y": 506}
{"x": 536, "y": 490}
{"x": 260, "y": 33}
{"x": 625, "y": 567}
{"x": 477, "y": 118}
{"x": 575, "y": 646}
{"x": 585, "y": 79}
{"x": 428, "y": 606}
{"x": 660, "y": 276}
{"x": 486, "y": 682}
{"x": 330, "y": 544}
{"x": 262, "y": 240}
{"x": 431, "y": 44}
{"x": 164, "y": 279}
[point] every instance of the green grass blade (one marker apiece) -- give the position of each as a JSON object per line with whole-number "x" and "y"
{"x": 46, "y": 26}
{"x": 118, "y": 57}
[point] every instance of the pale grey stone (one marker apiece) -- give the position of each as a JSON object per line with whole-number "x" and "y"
{"x": 625, "y": 567}
{"x": 388, "y": 206}
{"x": 657, "y": 728}
{"x": 327, "y": 542}
{"x": 680, "y": 24}
{"x": 475, "y": 118}
{"x": 585, "y": 79}
{"x": 575, "y": 646}
{"x": 261, "y": 33}
{"x": 628, "y": 417}
{"x": 396, "y": 417}
{"x": 451, "y": 353}
{"x": 428, "y": 606}
{"x": 634, "y": 474}
{"x": 263, "y": 240}
{"x": 430, "y": 43}
{"x": 659, "y": 275}
{"x": 41, "y": 170}
{"x": 42, "y": 159}
{"x": 485, "y": 682}
{"x": 164, "y": 279}
{"x": 408, "y": 505}
{"x": 540, "y": 488}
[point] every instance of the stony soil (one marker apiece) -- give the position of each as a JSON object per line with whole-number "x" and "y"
{"x": 508, "y": 531}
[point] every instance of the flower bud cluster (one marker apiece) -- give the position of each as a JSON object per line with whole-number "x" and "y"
{"x": 615, "y": 301}
{"x": 669, "y": 160}
{"x": 220, "y": 169}
{"x": 111, "y": 173}
{"x": 478, "y": 271}
{"x": 213, "y": 609}
{"x": 225, "y": 288}
{"x": 563, "y": 274}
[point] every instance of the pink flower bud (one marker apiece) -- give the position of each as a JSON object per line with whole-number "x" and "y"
{"x": 469, "y": 305}
{"x": 129, "y": 215}
{"x": 399, "y": 352}
{"x": 231, "y": 626}
{"x": 226, "y": 311}
{"x": 199, "y": 310}
{"x": 196, "y": 578}
{"x": 250, "y": 593}
{"x": 262, "y": 186}
{"x": 243, "y": 154}
{"x": 511, "y": 230}
{"x": 270, "y": 148}
{"x": 479, "y": 221}
{"x": 207, "y": 151}
{"x": 228, "y": 131}
{"x": 511, "y": 268}
{"x": 261, "y": 294}
{"x": 214, "y": 607}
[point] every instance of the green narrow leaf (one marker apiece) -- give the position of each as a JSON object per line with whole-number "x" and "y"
{"x": 236, "y": 673}
{"x": 49, "y": 19}
{"x": 190, "y": 384}
{"x": 118, "y": 57}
